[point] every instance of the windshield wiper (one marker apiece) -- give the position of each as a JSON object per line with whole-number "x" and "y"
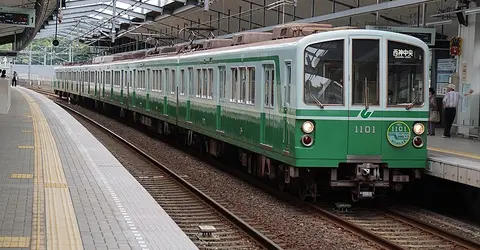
{"x": 316, "y": 100}
{"x": 410, "y": 105}
{"x": 367, "y": 92}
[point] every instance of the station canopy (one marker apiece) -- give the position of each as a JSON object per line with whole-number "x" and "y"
{"x": 116, "y": 23}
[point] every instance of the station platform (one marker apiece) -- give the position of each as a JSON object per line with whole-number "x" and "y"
{"x": 60, "y": 188}
{"x": 456, "y": 159}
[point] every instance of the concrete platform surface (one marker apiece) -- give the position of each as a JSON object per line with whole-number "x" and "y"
{"x": 60, "y": 188}
{"x": 456, "y": 159}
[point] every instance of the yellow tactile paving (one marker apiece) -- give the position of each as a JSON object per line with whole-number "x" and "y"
{"x": 56, "y": 185}
{"x": 27, "y": 131}
{"x": 21, "y": 176}
{"x": 60, "y": 221}
{"x": 11, "y": 241}
{"x": 23, "y": 147}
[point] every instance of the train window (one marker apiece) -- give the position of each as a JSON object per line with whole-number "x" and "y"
{"x": 210, "y": 84}
{"x": 365, "y": 69}
{"x": 173, "y": 84}
{"x": 243, "y": 85}
{"x": 167, "y": 80}
{"x": 190, "y": 81}
{"x": 134, "y": 80}
{"x": 251, "y": 85}
{"x": 234, "y": 84}
{"x": 117, "y": 81}
{"x": 269, "y": 78}
{"x": 205, "y": 83}
{"x": 140, "y": 80}
{"x": 154, "y": 80}
{"x": 323, "y": 73}
{"x": 108, "y": 78}
{"x": 122, "y": 79}
{"x": 92, "y": 77}
{"x": 288, "y": 83}
{"x": 199, "y": 83}
{"x": 160, "y": 80}
{"x": 182, "y": 82}
{"x": 223, "y": 81}
{"x": 405, "y": 74}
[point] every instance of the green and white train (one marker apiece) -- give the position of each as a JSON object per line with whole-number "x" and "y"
{"x": 331, "y": 108}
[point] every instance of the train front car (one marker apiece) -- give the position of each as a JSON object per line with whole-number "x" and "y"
{"x": 362, "y": 116}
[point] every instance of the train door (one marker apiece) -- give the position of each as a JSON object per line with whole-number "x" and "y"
{"x": 286, "y": 104}
{"x": 128, "y": 89}
{"x": 269, "y": 103}
{"x": 365, "y": 134}
{"x": 177, "y": 93}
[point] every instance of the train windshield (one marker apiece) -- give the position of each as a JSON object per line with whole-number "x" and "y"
{"x": 323, "y": 67}
{"x": 405, "y": 74}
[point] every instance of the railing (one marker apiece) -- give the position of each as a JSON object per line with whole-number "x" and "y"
{"x": 41, "y": 82}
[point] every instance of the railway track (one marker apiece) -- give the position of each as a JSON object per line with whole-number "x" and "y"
{"x": 393, "y": 229}
{"x": 390, "y": 229}
{"x": 208, "y": 224}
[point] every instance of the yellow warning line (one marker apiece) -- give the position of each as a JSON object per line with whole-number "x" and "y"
{"x": 453, "y": 152}
{"x": 60, "y": 221}
{"x": 12, "y": 241}
{"x": 21, "y": 176}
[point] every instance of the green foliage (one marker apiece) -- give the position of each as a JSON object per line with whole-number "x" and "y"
{"x": 43, "y": 52}
{"x": 7, "y": 46}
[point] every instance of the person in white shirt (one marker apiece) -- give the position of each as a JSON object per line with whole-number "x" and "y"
{"x": 450, "y": 103}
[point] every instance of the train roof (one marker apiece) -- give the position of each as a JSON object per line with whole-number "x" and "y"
{"x": 282, "y": 35}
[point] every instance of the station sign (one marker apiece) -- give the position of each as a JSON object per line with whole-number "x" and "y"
{"x": 12, "y": 16}
{"x": 427, "y": 35}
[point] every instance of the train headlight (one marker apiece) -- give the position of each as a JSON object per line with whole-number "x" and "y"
{"x": 307, "y": 127}
{"x": 418, "y": 128}
{"x": 307, "y": 141}
{"x": 417, "y": 142}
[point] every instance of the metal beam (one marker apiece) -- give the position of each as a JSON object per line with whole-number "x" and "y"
{"x": 143, "y": 5}
{"x": 348, "y": 13}
{"x": 78, "y": 24}
{"x": 86, "y": 15}
{"x": 101, "y": 7}
{"x": 175, "y": 12}
{"x": 84, "y": 2}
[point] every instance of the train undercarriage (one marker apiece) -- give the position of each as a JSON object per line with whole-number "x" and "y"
{"x": 360, "y": 180}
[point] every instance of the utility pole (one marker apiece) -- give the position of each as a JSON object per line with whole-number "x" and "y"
{"x": 114, "y": 13}
{"x": 29, "y": 63}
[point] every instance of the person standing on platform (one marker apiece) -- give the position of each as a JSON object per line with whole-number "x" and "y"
{"x": 434, "y": 116}
{"x": 14, "y": 79}
{"x": 4, "y": 74}
{"x": 450, "y": 103}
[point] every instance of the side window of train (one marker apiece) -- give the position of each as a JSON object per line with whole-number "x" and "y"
{"x": 182, "y": 82}
{"x": 167, "y": 80}
{"x": 191, "y": 91}
{"x": 222, "y": 82}
{"x": 233, "y": 97}
{"x": 269, "y": 81}
{"x": 288, "y": 83}
{"x": 173, "y": 84}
